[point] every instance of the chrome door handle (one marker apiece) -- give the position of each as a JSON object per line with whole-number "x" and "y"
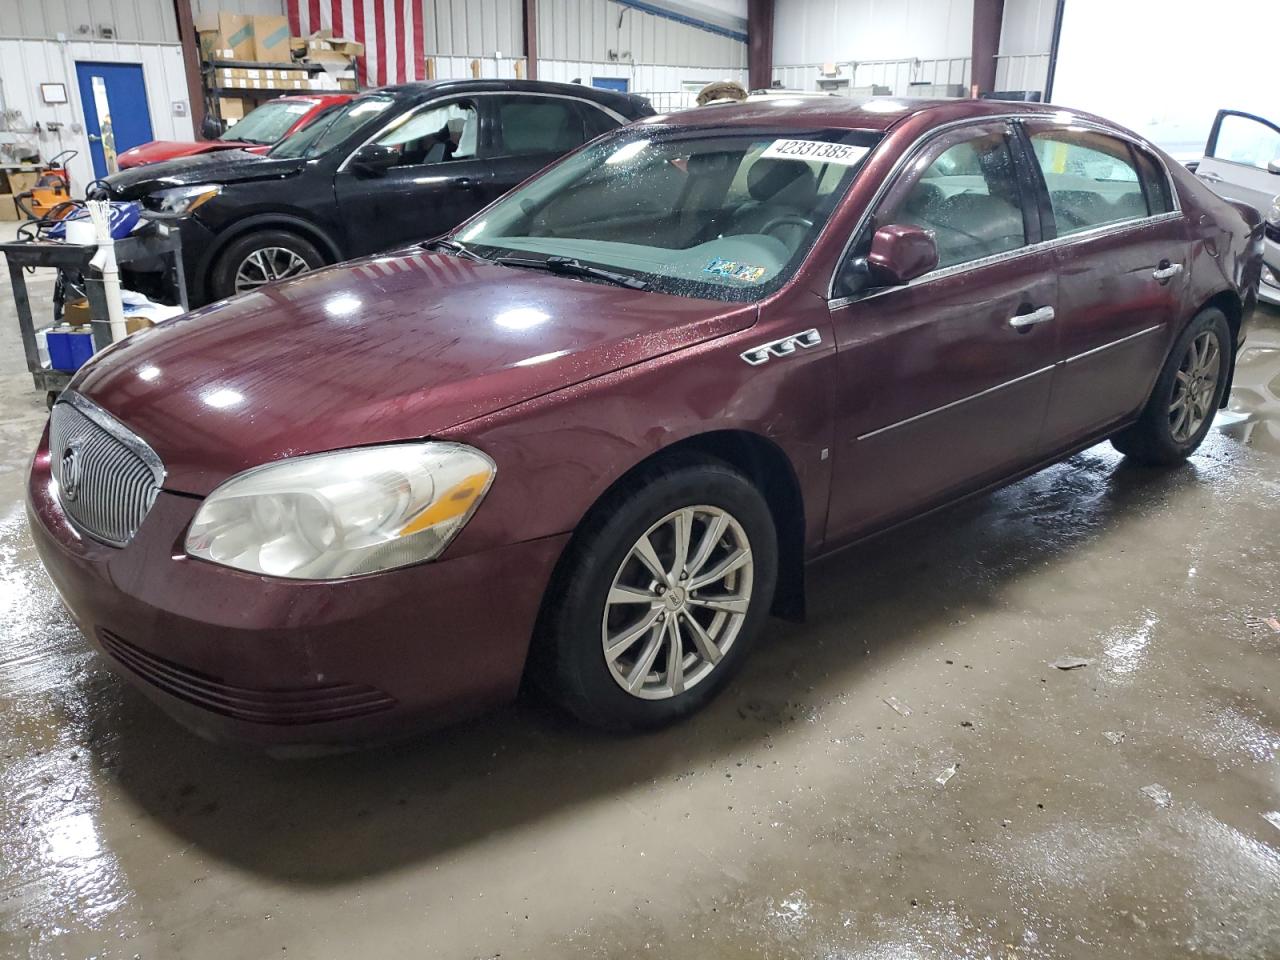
{"x": 1167, "y": 273}
{"x": 1043, "y": 315}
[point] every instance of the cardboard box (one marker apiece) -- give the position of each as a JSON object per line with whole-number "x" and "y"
{"x": 231, "y": 108}
{"x": 20, "y": 181}
{"x": 8, "y": 209}
{"x": 271, "y": 39}
{"x": 226, "y": 36}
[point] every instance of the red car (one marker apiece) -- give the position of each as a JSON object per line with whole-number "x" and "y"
{"x": 595, "y": 434}
{"x": 268, "y": 124}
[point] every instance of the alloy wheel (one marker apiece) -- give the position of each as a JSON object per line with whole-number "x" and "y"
{"x": 1194, "y": 387}
{"x": 677, "y": 602}
{"x": 268, "y": 264}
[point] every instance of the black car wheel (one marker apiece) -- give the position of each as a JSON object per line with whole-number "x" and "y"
{"x": 1187, "y": 394}
{"x": 262, "y": 257}
{"x": 659, "y": 596}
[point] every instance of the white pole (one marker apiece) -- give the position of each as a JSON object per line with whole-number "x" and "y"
{"x": 105, "y": 261}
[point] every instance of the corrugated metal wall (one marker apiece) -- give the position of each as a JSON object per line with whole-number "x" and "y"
{"x": 599, "y": 31}
{"x": 268, "y": 7}
{"x": 25, "y": 64}
{"x": 474, "y": 28}
{"x": 899, "y": 42}
{"x": 131, "y": 21}
{"x": 1025, "y": 38}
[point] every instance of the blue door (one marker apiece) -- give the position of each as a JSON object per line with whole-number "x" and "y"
{"x": 116, "y": 118}
{"x": 610, "y": 83}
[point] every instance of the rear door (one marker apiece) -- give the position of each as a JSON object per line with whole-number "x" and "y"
{"x": 1121, "y": 247}
{"x": 442, "y": 177}
{"x": 944, "y": 381}
{"x": 1242, "y": 159}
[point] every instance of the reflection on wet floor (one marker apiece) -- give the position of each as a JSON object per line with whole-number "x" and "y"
{"x": 1253, "y": 412}
{"x": 799, "y": 817}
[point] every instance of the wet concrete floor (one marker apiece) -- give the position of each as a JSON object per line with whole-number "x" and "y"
{"x": 801, "y": 816}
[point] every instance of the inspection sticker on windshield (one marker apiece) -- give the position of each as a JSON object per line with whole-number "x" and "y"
{"x": 816, "y": 150}
{"x": 746, "y": 272}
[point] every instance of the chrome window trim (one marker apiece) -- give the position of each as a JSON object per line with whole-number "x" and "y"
{"x": 1064, "y": 119}
{"x": 452, "y": 97}
{"x": 956, "y": 403}
{"x": 111, "y": 425}
{"x": 1105, "y": 229}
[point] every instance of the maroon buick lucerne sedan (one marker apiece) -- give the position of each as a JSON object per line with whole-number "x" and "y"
{"x": 594, "y": 435}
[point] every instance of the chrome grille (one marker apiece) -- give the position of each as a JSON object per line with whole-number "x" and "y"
{"x": 108, "y": 477}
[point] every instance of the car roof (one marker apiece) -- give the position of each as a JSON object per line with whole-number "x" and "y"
{"x": 867, "y": 113}
{"x": 426, "y": 89}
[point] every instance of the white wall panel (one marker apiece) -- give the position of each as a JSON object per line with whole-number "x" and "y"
{"x": 1026, "y": 35}
{"x": 25, "y": 64}
{"x": 266, "y": 7}
{"x": 823, "y": 31}
{"x": 473, "y": 28}
{"x": 898, "y": 75}
{"x": 147, "y": 21}
{"x": 599, "y": 31}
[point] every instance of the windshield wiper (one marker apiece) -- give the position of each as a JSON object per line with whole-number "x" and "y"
{"x": 454, "y": 247}
{"x": 569, "y": 267}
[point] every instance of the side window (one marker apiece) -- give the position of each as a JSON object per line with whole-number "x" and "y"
{"x": 539, "y": 125}
{"x": 597, "y": 121}
{"x": 1091, "y": 179}
{"x": 968, "y": 198}
{"x": 1245, "y": 140}
{"x": 434, "y": 136}
{"x": 1154, "y": 183}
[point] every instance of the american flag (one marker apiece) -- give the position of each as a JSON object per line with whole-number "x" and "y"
{"x": 391, "y": 31}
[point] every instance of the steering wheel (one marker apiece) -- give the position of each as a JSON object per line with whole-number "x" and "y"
{"x": 787, "y": 220}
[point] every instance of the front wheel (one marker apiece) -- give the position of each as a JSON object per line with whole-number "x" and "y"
{"x": 659, "y": 598}
{"x": 262, "y": 257}
{"x": 1187, "y": 393}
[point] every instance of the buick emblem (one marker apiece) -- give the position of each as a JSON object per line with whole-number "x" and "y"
{"x": 69, "y": 474}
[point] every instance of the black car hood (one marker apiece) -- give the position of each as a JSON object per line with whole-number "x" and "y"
{"x": 222, "y": 166}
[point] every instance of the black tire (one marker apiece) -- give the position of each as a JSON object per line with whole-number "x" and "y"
{"x": 568, "y": 658}
{"x": 222, "y": 278}
{"x": 1151, "y": 440}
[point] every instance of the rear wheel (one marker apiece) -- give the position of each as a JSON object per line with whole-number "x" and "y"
{"x": 1187, "y": 394}
{"x": 660, "y": 597}
{"x": 262, "y": 257}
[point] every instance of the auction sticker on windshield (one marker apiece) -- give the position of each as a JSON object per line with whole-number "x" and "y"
{"x": 817, "y": 151}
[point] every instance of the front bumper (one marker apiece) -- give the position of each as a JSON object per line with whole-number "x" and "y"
{"x": 281, "y": 663}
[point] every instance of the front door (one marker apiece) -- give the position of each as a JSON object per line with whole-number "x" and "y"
{"x": 1242, "y": 159}
{"x": 532, "y": 130}
{"x": 441, "y": 178}
{"x": 114, "y": 99}
{"x": 1121, "y": 263}
{"x": 943, "y": 382}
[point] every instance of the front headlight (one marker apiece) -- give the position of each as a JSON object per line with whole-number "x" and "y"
{"x": 180, "y": 201}
{"x": 342, "y": 514}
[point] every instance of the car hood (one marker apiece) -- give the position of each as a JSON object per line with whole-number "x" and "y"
{"x": 395, "y": 347}
{"x": 158, "y": 151}
{"x": 218, "y": 166}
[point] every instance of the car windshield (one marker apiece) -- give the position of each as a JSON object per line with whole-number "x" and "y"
{"x": 326, "y": 133}
{"x": 710, "y": 213}
{"x": 268, "y": 123}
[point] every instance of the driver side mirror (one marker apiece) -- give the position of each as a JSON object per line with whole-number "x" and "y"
{"x": 900, "y": 253}
{"x": 374, "y": 160}
{"x": 210, "y": 127}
